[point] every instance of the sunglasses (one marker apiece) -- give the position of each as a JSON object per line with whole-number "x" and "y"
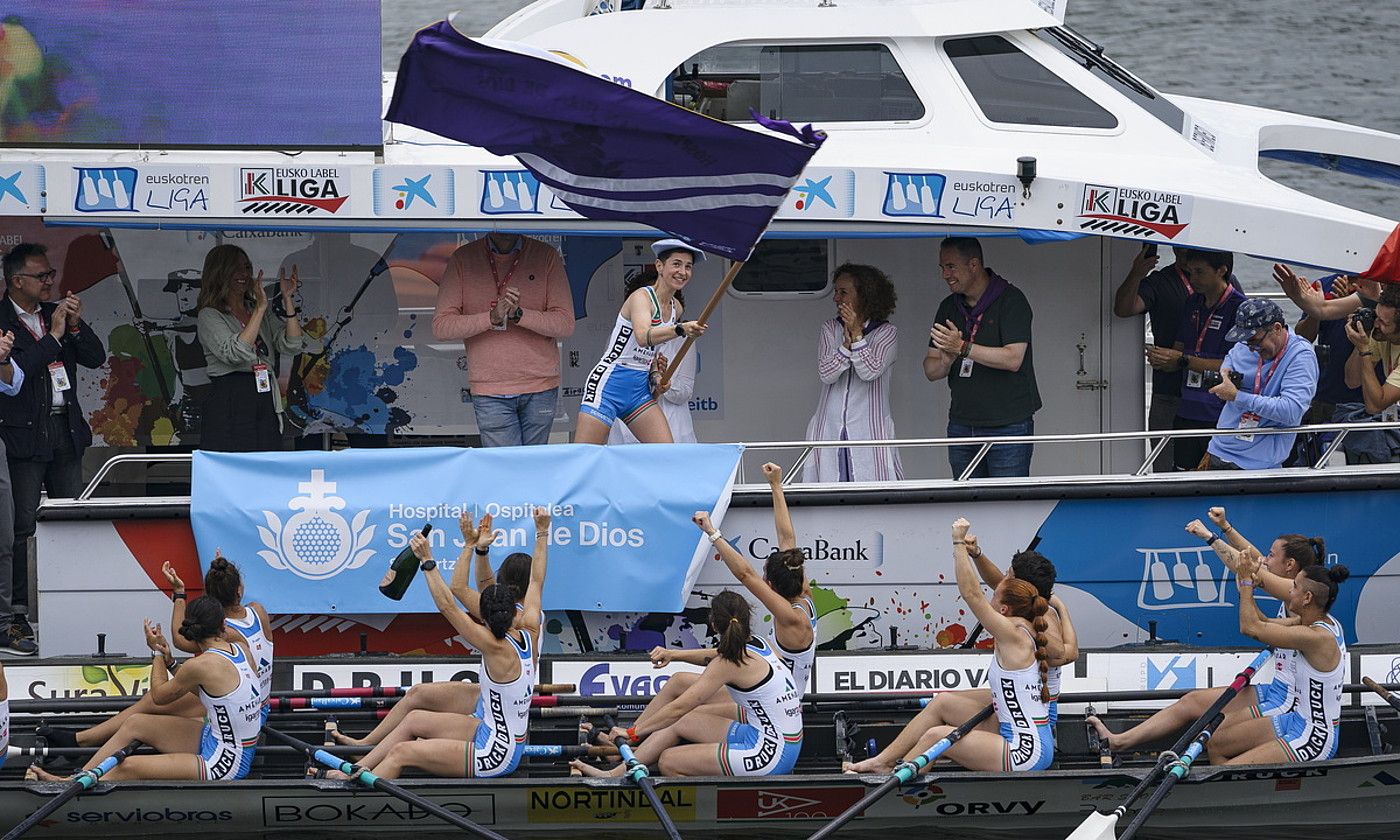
{"x": 42, "y": 277}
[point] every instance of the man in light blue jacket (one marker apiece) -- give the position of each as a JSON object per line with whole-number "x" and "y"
{"x": 1279, "y": 377}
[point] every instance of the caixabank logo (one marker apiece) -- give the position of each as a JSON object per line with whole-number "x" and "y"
{"x": 295, "y": 191}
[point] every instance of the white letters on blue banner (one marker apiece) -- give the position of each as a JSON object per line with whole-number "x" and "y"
{"x": 314, "y": 532}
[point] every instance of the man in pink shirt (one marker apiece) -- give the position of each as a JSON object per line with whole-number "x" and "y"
{"x": 505, "y": 296}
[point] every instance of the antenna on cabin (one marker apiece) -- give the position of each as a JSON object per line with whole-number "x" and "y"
{"x": 1025, "y": 172}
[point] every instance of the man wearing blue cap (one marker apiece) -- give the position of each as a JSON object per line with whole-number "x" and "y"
{"x": 1279, "y": 377}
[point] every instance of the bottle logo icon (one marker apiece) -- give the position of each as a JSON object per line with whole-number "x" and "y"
{"x": 1194, "y": 578}
{"x": 316, "y": 542}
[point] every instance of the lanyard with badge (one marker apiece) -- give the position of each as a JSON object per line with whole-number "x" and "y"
{"x": 965, "y": 369}
{"x": 58, "y": 374}
{"x": 501, "y": 284}
{"x": 262, "y": 374}
{"x": 1186, "y": 282}
{"x": 1250, "y": 420}
{"x": 1213, "y": 320}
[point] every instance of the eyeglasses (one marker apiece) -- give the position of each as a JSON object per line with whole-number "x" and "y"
{"x": 1254, "y": 340}
{"x": 42, "y": 277}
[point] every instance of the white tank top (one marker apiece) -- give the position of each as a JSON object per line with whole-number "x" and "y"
{"x": 251, "y": 627}
{"x": 4, "y": 731}
{"x": 623, "y": 349}
{"x": 505, "y": 706}
{"x": 800, "y": 662}
{"x": 235, "y": 719}
{"x": 1016, "y": 697}
{"x": 775, "y": 704}
{"x": 1284, "y": 661}
{"x": 1318, "y": 694}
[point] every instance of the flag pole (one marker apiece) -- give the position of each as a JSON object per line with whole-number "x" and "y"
{"x": 704, "y": 318}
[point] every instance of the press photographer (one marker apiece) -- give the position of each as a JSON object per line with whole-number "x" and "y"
{"x": 1277, "y": 377}
{"x": 1375, "y": 337}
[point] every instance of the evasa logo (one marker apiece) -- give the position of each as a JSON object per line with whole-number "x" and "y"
{"x": 316, "y": 542}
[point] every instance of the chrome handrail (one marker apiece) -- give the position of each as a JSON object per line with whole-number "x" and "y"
{"x": 984, "y": 445}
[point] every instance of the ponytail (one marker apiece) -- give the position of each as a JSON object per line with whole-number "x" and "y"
{"x": 204, "y": 619}
{"x": 1303, "y": 551}
{"x": 730, "y": 620}
{"x": 1025, "y": 602}
{"x": 1328, "y": 576}
{"x": 785, "y": 572}
{"x": 498, "y": 608}
{"x": 222, "y": 582}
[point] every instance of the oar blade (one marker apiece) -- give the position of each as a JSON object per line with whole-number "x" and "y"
{"x": 1096, "y": 826}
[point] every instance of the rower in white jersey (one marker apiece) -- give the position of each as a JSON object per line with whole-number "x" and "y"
{"x": 951, "y": 708}
{"x": 1307, "y": 731}
{"x": 784, "y": 590}
{"x": 221, "y": 678}
{"x": 1288, "y": 555}
{"x": 245, "y": 621}
{"x": 4, "y": 717}
{"x": 491, "y": 741}
{"x": 684, "y": 739}
{"x": 620, "y": 386}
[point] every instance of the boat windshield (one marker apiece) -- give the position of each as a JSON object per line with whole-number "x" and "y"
{"x": 1091, "y": 56}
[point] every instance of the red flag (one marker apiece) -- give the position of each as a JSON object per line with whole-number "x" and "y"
{"x": 1386, "y": 267}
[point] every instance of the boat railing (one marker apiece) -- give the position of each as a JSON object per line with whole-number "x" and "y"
{"x": 1157, "y": 440}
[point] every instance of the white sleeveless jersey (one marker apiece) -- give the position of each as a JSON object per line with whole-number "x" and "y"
{"x": 800, "y": 662}
{"x": 251, "y": 627}
{"x": 1284, "y": 661}
{"x": 1318, "y": 694}
{"x": 1016, "y": 698}
{"x": 623, "y": 349}
{"x": 774, "y": 706}
{"x": 4, "y": 731}
{"x": 233, "y": 720}
{"x": 504, "y": 707}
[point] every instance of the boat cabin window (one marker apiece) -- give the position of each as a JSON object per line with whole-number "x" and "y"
{"x": 1092, "y": 58}
{"x": 1011, "y": 87}
{"x": 803, "y": 83}
{"x": 785, "y": 268}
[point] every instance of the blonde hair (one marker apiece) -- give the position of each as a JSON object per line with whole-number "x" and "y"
{"x": 217, "y": 278}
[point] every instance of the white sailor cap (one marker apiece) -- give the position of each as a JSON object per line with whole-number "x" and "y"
{"x": 661, "y": 246}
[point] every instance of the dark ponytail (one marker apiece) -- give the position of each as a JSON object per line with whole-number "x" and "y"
{"x": 222, "y": 582}
{"x": 1304, "y": 551}
{"x": 785, "y": 573}
{"x": 204, "y": 620}
{"x": 729, "y": 619}
{"x": 498, "y": 608}
{"x": 1328, "y": 576}
{"x": 515, "y": 572}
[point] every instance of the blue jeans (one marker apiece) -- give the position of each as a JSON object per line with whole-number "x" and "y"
{"x": 523, "y": 420}
{"x": 1002, "y": 460}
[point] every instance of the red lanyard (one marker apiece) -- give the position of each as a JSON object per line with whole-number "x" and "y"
{"x": 1205, "y": 327}
{"x": 491, "y": 257}
{"x": 1185, "y": 281}
{"x": 38, "y": 336}
{"x": 1259, "y": 389}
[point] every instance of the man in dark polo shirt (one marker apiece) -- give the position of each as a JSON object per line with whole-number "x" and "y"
{"x": 1161, "y": 294}
{"x": 1199, "y": 346}
{"x": 981, "y": 343}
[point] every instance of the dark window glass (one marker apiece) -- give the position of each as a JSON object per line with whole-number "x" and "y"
{"x": 794, "y": 266}
{"x": 1012, "y": 87}
{"x": 1091, "y": 56}
{"x": 828, "y": 83}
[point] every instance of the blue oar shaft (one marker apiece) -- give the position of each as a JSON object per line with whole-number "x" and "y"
{"x": 638, "y": 773}
{"x": 369, "y": 779}
{"x": 1176, "y": 771}
{"x": 903, "y": 774}
{"x": 83, "y": 782}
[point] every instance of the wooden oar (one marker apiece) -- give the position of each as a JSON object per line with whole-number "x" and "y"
{"x": 1176, "y": 771}
{"x": 80, "y": 783}
{"x": 704, "y": 318}
{"x": 368, "y": 779}
{"x": 1380, "y": 689}
{"x": 903, "y": 773}
{"x": 1101, "y": 825}
{"x": 641, "y": 777}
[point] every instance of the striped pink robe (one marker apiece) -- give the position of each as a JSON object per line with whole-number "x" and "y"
{"x": 855, "y": 397}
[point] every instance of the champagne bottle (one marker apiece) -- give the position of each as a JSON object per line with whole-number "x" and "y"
{"x": 401, "y": 571}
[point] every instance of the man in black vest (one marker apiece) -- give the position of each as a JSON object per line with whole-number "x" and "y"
{"x": 42, "y": 427}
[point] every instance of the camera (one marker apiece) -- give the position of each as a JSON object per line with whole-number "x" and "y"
{"x": 1365, "y": 318}
{"x": 1211, "y": 378}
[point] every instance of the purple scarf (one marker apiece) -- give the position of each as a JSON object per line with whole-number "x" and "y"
{"x": 972, "y": 317}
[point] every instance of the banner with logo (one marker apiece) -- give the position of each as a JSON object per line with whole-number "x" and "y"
{"x": 316, "y": 531}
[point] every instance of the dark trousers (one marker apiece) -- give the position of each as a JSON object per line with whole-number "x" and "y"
{"x": 239, "y": 419}
{"x": 62, "y": 477}
{"x": 1189, "y": 452}
{"x": 7, "y": 545}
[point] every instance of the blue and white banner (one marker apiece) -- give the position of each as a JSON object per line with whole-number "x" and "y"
{"x": 314, "y": 532}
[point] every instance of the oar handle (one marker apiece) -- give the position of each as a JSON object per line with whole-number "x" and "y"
{"x": 635, "y": 768}
{"x": 1381, "y": 690}
{"x": 82, "y": 782}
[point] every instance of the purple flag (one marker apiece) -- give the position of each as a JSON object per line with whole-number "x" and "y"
{"x": 607, "y": 151}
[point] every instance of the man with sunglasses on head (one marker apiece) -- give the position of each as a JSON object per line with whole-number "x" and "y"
{"x": 42, "y": 427}
{"x": 1278, "y": 370}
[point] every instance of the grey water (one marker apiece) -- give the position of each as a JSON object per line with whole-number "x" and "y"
{"x": 1333, "y": 60}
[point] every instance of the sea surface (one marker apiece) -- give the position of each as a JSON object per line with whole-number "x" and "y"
{"x": 1334, "y": 60}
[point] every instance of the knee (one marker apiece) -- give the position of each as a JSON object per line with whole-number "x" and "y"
{"x": 934, "y": 734}
{"x": 665, "y": 765}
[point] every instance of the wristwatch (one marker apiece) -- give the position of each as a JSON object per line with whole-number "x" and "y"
{"x": 517, "y": 314}
{"x": 482, "y": 551}
{"x": 680, "y": 331}
{"x": 428, "y": 565}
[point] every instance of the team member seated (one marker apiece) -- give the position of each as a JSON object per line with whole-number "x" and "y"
{"x": 222, "y": 677}
{"x": 461, "y": 697}
{"x": 1288, "y": 555}
{"x": 951, "y": 708}
{"x": 492, "y": 738}
{"x": 1308, "y": 730}
{"x": 1015, "y": 616}
{"x": 689, "y": 741}
{"x": 244, "y": 622}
